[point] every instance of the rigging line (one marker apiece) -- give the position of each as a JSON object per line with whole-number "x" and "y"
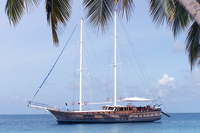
{"x": 87, "y": 53}
{"x": 76, "y": 59}
{"x": 88, "y": 75}
{"x": 144, "y": 70}
{"x": 54, "y": 63}
{"x": 136, "y": 56}
{"x": 75, "y": 62}
{"x": 98, "y": 66}
{"x": 122, "y": 72}
{"x": 124, "y": 49}
{"x": 86, "y": 87}
{"x": 129, "y": 63}
{"x": 142, "y": 66}
{"x": 138, "y": 62}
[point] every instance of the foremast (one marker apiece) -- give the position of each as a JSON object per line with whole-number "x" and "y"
{"x": 115, "y": 60}
{"x": 81, "y": 51}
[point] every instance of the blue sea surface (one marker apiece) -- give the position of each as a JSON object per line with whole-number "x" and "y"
{"x": 177, "y": 123}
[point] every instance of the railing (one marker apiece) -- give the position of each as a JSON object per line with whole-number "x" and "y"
{"x": 39, "y": 105}
{"x": 42, "y": 106}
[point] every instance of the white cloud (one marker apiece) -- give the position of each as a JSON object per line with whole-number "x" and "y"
{"x": 165, "y": 85}
{"x": 178, "y": 46}
{"x": 165, "y": 80}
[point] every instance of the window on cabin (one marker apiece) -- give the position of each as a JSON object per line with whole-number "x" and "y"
{"x": 103, "y": 108}
{"x": 121, "y": 109}
{"x": 130, "y": 108}
{"x": 110, "y": 108}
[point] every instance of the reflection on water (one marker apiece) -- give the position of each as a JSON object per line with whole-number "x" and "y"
{"x": 47, "y": 123}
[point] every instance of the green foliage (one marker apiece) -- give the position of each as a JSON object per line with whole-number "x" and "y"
{"x": 16, "y": 8}
{"x": 192, "y": 46}
{"x": 58, "y": 13}
{"x": 125, "y": 6}
{"x": 178, "y": 20}
{"x": 99, "y": 12}
{"x": 159, "y": 11}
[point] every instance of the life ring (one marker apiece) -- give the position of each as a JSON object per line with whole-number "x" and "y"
{"x": 73, "y": 103}
{"x": 85, "y": 103}
{"x": 120, "y": 98}
{"x": 107, "y": 99}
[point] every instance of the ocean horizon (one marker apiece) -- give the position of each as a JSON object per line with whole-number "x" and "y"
{"x": 42, "y": 123}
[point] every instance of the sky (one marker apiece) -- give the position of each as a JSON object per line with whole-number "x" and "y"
{"x": 27, "y": 54}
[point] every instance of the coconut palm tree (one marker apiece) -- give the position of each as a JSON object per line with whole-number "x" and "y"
{"x": 178, "y": 19}
{"x": 193, "y": 8}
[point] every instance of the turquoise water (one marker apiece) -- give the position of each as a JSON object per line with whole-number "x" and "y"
{"x": 178, "y": 123}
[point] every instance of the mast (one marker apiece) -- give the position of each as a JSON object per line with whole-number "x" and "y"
{"x": 81, "y": 51}
{"x": 115, "y": 61}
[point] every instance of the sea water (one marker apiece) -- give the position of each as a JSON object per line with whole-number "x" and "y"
{"x": 177, "y": 123}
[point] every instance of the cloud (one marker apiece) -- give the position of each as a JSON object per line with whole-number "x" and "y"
{"x": 165, "y": 80}
{"x": 165, "y": 85}
{"x": 177, "y": 46}
{"x": 187, "y": 90}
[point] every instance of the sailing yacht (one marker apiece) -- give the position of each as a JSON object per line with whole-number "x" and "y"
{"x": 109, "y": 113}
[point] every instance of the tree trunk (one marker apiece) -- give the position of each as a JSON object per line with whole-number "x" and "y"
{"x": 193, "y": 8}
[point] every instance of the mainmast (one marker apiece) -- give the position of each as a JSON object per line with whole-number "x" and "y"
{"x": 81, "y": 51}
{"x": 115, "y": 61}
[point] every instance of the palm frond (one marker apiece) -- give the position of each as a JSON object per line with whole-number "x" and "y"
{"x": 58, "y": 12}
{"x": 160, "y": 10}
{"x": 192, "y": 46}
{"x": 31, "y": 4}
{"x": 99, "y": 12}
{"x": 15, "y": 9}
{"x": 125, "y": 6}
{"x": 180, "y": 21}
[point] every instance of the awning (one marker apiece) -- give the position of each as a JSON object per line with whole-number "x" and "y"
{"x": 136, "y": 99}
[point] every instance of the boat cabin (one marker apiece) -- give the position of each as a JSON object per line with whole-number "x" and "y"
{"x": 126, "y": 108}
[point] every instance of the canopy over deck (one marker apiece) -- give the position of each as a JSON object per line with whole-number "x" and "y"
{"x": 136, "y": 99}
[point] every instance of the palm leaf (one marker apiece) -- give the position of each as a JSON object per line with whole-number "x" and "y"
{"x": 16, "y": 8}
{"x": 125, "y": 6}
{"x": 160, "y": 11}
{"x": 192, "y": 46}
{"x": 180, "y": 21}
{"x": 58, "y": 12}
{"x": 31, "y": 4}
{"x": 99, "y": 12}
